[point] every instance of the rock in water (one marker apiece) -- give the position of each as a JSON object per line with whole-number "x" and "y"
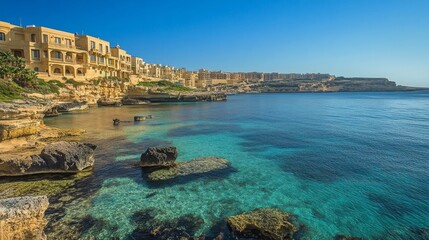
{"x": 69, "y": 156}
{"x": 263, "y": 223}
{"x": 23, "y": 217}
{"x": 159, "y": 156}
{"x": 58, "y": 157}
{"x": 196, "y": 166}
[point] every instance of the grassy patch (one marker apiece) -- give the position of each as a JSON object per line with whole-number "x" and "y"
{"x": 9, "y": 91}
{"x": 166, "y": 86}
{"x": 74, "y": 82}
{"x": 41, "y": 86}
{"x": 178, "y": 88}
{"x": 57, "y": 83}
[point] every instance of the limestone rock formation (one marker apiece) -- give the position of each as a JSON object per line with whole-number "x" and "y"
{"x": 196, "y": 166}
{"x": 263, "y": 223}
{"x": 22, "y": 117}
{"x": 159, "y": 156}
{"x": 72, "y": 106}
{"x": 58, "y": 157}
{"x": 10, "y": 129}
{"x": 23, "y": 217}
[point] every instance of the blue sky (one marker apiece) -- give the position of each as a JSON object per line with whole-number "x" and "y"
{"x": 373, "y": 38}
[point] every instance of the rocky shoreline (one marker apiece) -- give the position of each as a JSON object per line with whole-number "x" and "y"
{"x": 29, "y": 147}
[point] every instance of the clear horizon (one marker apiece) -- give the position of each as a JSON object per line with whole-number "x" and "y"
{"x": 344, "y": 38}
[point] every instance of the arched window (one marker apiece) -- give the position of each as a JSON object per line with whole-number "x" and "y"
{"x": 2, "y": 36}
{"x": 57, "y": 70}
{"x": 36, "y": 69}
{"x": 67, "y": 71}
{"x": 79, "y": 71}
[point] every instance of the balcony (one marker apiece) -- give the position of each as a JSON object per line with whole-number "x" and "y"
{"x": 94, "y": 50}
{"x": 56, "y": 59}
{"x": 58, "y": 45}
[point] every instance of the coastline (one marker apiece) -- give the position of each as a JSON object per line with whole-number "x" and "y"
{"x": 67, "y": 183}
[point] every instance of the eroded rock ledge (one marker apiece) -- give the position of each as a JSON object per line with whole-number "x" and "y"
{"x": 58, "y": 157}
{"x": 23, "y": 217}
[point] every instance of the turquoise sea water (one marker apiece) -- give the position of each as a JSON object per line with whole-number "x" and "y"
{"x": 342, "y": 163}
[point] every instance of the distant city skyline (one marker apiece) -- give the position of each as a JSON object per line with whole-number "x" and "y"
{"x": 344, "y": 38}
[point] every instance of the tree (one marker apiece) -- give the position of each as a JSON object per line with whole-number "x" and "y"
{"x": 13, "y": 68}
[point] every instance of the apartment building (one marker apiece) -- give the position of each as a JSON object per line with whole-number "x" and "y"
{"x": 137, "y": 65}
{"x": 100, "y": 62}
{"x": 50, "y": 52}
{"x": 124, "y": 62}
{"x": 56, "y": 54}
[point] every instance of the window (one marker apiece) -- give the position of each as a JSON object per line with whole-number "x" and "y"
{"x": 36, "y": 69}
{"x": 45, "y": 38}
{"x": 107, "y": 49}
{"x": 92, "y": 45}
{"x": 100, "y": 47}
{"x": 58, "y": 55}
{"x": 68, "y": 43}
{"x": 57, "y": 70}
{"x": 35, "y": 54}
{"x": 45, "y": 54}
{"x": 93, "y": 59}
{"x": 2, "y": 36}
{"x": 101, "y": 60}
{"x": 33, "y": 37}
{"x": 57, "y": 40}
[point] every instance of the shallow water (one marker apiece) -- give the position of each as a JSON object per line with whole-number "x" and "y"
{"x": 342, "y": 163}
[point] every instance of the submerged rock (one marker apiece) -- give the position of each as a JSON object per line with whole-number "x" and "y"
{"x": 58, "y": 157}
{"x": 263, "y": 223}
{"x": 159, "y": 156}
{"x": 347, "y": 237}
{"x": 23, "y": 217}
{"x": 149, "y": 227}
{"x": 196, "y": 166}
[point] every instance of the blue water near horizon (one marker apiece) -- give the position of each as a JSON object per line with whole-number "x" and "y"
{"x": 342, "y": 163}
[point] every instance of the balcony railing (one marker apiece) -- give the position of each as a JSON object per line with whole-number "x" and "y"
{"x": 61, "y": 45}
{"x": 56, "y": 59}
